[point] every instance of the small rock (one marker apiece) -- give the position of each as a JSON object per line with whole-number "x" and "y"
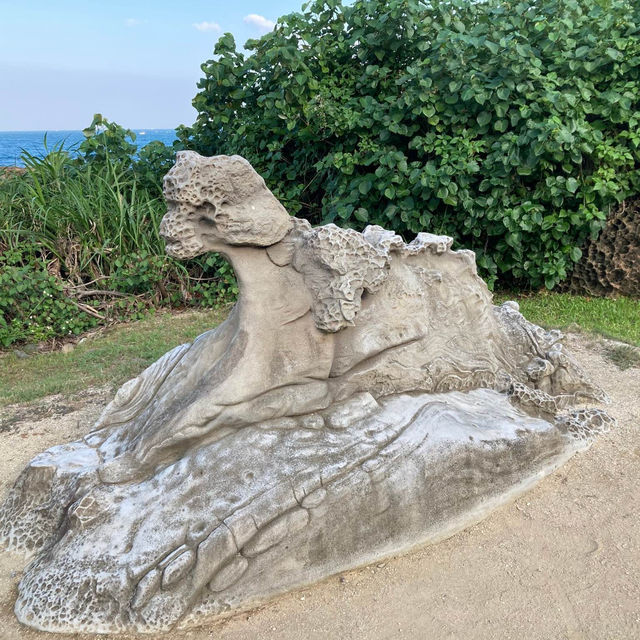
{"x": 20, "y": 354}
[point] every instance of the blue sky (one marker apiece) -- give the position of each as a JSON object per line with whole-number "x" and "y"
{"x": 135, "y": 62}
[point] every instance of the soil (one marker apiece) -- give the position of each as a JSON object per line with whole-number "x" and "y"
{"x": 562, "y": 562}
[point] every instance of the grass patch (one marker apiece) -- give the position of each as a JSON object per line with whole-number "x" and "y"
{"x": 617, "y": 318}
{"x": 111, "y": 358}
{"x": 624, "y": 356}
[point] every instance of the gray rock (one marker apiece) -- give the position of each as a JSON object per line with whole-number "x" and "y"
{"x": 363, "y": 397}
{"x": 30, "y": 348}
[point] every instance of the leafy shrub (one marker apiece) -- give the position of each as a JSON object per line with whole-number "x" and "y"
{"x": 80, "y": 243}
{"x": 512, "y": 126}
{"x": 153, "y": 162}
{"x": 217, "y": 289}
{"x": 107, "y": 142}
{"x": 33, "y": 304}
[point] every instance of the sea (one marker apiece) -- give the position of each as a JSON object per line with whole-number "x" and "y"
{"x": 12, "y": 143}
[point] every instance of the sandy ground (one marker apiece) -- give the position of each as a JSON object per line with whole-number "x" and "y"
{"x": 561, "y": 562}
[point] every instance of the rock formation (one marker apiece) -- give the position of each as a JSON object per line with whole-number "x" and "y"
{"x": 610, "y": 265}
{"x": 364, "y": 396}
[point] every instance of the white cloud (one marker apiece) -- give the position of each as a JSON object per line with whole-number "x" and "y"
{"x": 132, "y": 22}
{"x": 259, "y": 21}
{"x": 207, "y": 26}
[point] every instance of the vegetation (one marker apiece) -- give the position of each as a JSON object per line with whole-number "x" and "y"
{"x": 110, "y": 358}
{"x": 612, "y": 318}
{"x": 512, "y": 126}
{"x": 79, "y": 241}
{"x": 624, "y": 356}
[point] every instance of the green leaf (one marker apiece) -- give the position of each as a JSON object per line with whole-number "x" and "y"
{"x": 492, "y": 46}
{"x": 365, "y": 186}
{"x": 483, "y": 118}
{"x": 572, "y": 185}
{"x": 361, "y": 214}
{"x": 467, "y": 94}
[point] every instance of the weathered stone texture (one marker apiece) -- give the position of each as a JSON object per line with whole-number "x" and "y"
{"x": 610, "y": 265}
{"x": 363, "y": 396}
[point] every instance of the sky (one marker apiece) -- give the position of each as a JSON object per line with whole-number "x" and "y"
{"x": 136, "y": 62}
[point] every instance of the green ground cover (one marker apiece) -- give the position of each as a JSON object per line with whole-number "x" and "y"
{"x": 123, "y": 351}
{"x": 112, "y": 357}
{"x": 617, "y": 318}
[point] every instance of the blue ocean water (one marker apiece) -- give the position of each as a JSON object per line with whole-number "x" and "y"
{"x": 13, "y": 142}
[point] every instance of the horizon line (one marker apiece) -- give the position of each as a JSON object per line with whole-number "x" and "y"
{"x": 134, "y": 129}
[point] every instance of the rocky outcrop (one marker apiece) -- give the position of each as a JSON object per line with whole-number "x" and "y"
{"x": 610, "y": 265}
{"x": 363, "y": 396}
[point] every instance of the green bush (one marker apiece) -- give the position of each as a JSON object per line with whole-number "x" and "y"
{"x": 153, "y": 162}
{"x": 107, "y": 142}
{"x": 33, "y": 304}
{"x": 80, "y": 243}
{"x": 512, "y": 126}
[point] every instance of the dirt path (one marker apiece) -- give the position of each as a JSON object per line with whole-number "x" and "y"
{"x": 563, "y": 562}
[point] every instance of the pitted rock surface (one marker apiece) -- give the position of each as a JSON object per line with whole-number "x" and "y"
{"x": 363, "y": 396}
{"x": 610, "y": 264}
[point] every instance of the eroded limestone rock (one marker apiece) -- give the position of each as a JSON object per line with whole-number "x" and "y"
{"x": 364, "y": 396}
{"x": 610, "y": 264}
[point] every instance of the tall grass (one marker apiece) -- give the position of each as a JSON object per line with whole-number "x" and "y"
{"x": 81, "y": 217}
{"x": 88, "y": 233}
